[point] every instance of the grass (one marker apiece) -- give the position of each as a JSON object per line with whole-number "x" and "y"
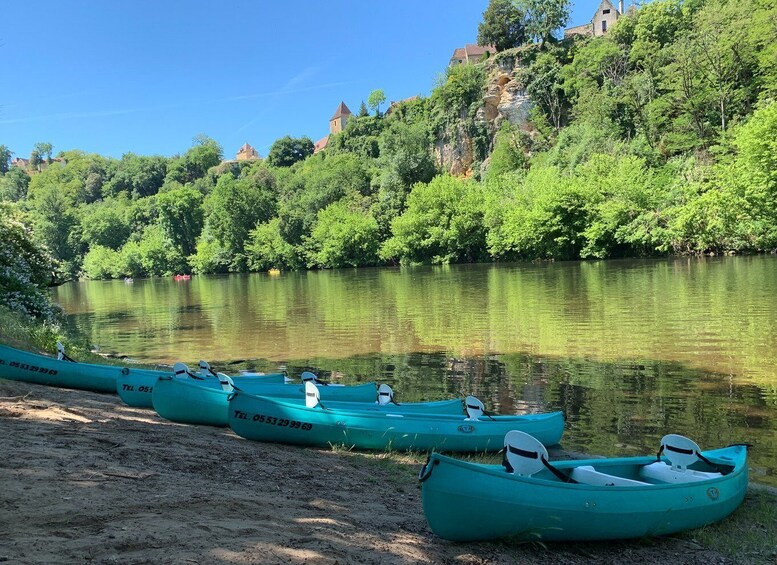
{"x": 36, "y": 336}
{"x": 749, "y": 535}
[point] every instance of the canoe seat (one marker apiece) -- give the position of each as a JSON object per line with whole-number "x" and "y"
{"x": 660, "y": 471}
{"x": 226, "y": 382}
{"x": 681, "y": 452}
{"x": 385, "y": 395}
{"x": 587, "y": 475}
{"x": 475, "y": 407}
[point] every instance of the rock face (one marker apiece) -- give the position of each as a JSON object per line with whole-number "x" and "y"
{"x": 454, "y": 152}
{"x": 505, "y": 99}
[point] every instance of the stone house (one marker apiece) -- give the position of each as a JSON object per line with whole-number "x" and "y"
{"x": 603, "y": 19}
{"x": 247, "y": 153}
{"x": 337, "y": 124}
{"x": 470, "y": 54}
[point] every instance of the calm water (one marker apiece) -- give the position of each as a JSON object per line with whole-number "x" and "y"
{"x": 630, "y": 350}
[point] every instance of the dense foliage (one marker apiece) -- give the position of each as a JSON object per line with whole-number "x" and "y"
{"x": 659, "y": 137}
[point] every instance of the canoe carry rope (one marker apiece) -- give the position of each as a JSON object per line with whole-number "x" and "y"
{"x": 61, "y": 355}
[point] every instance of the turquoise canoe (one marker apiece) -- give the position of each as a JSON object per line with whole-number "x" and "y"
{"x": 186, "y": 401}
{"x": 136, "y": 388}
{"x": 617, "y": 498}
{"x": 266, "y": 419}
{"x": 24, "y": 366}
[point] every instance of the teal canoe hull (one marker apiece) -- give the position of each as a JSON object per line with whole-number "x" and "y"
{"x": 465, "y": 501}
{"x": 135, "y": 387}
{"x": 184, "y": 401}
{"x": 21, "y": 365}
{"x": 264, "y": 419}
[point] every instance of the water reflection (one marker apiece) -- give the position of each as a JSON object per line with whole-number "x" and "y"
{"x": 610, "y": 408}
{"x": 629, "y": 349}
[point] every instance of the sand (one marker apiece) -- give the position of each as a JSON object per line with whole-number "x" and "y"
{"x": 86, "y": 479}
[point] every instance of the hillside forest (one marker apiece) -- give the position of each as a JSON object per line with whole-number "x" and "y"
{"x": 657, "y": 138}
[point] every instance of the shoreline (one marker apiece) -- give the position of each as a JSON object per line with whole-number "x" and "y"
{"x": 85, "y": 477}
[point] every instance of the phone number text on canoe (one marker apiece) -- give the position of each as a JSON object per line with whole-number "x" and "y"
{"x": 273, "y": 421}
{"x": 26, "y": 367}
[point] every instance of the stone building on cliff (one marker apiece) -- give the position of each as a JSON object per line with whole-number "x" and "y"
{"x": 603, "y": 19}
{"x": 470, "y": 54}
{"x": 337, "y": 124}
{"x": 247, "y": 153}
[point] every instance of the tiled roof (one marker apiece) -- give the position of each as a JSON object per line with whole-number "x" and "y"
{"x": 458, "y": 53}
{"x": 476, "y": 50}
{"x": 342, "y": 110}
{"x": 320, "y": 144}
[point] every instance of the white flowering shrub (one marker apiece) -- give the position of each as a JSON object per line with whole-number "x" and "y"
{"x": 26, "y": 268}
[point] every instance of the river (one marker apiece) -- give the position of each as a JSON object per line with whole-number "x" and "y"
{"x": 630, "y": 349}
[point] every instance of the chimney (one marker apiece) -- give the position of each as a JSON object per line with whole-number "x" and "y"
{"x": 620, "y": 7}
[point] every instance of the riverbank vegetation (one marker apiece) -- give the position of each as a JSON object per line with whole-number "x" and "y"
{"x": 657, "y": 138}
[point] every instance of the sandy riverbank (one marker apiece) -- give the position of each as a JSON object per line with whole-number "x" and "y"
{"x": 86, "y": 479}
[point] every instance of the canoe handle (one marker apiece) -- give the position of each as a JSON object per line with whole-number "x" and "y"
{"x": 426, "y": 470}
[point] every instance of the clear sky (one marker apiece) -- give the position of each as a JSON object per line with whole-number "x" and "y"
{"x": 146, "y": 76}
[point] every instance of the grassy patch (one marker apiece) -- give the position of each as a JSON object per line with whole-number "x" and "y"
{"x": 37, "y": 336}
{"x": 749, "y": 535}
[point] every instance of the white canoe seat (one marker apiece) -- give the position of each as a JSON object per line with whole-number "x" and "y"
{"x": 475, "y": 409}
{"x": 523, "y": 453}
{"x": 587, "y": 475}
{"x": 307, "y": 376}
{"x": 660, "y": 471}
{"x": 385, "y": 395}
{"x": 312, "y": 395}
{"x": 226, "y": 382}
{"x": 681, "y": 452}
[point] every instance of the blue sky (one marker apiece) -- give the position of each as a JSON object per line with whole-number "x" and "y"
{"x": 147, "y": 76}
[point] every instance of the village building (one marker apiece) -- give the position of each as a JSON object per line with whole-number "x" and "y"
{"x": 396, "y": 103}
{"x": 247, "y": 153}
{"x": 603, "y": 19}
{"x": 470, "y": 54}
{"x": 337, "y": 124}
{"x": 24, "y": 164}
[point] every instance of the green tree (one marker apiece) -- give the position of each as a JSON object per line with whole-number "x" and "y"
{"x": 268, "y": 250}
{"x": 234, "y": 209}
{"x": 543, "y": 17}
{"x": 181, "y": 217}
{"x": 26, "y": 268}
{"x": 44, "y": 149}
{"x": 343, "y": 236}
{"x": 286, "y": 151}
{"x": 5, "y": 159}
{"x": 13, "y": 184}
{"x": 503, "y": 25}
{"x": 194, "y": 164}
{"x": 105, "y": 224}
{"x": 443, "y": 223}
{"x": 137, "y": 175}
{"x": 314, "y": 185}
{"x": 363, "y": 110}
{"x": 101, "y": 263}
{"x": 375, "y": 99}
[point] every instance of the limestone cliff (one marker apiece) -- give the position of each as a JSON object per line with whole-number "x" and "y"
{"x": 505, "y": 99}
